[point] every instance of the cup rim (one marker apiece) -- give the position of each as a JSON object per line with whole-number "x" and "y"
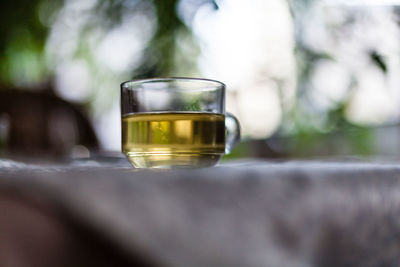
{"x": 168, "y": 79}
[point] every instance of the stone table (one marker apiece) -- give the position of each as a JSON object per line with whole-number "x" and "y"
{"x": 244, "y": 213}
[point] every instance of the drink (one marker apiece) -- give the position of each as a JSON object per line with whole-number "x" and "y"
{"x": 176, "y": 122}
{"x": 175, "y": 139}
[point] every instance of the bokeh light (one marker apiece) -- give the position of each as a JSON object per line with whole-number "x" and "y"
{"x": 242, "y": 45}
{"x": 292, "y": 68}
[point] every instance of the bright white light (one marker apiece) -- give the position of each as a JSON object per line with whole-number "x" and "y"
{"x": 370, "y": 104}
{"x": 260, "y": 110}
{"x": 243, "y": 38}
{"x": 108, "y": 128}
{"x": 122, "y": 47}
{"x": 118, "y": 50}
{"x": 362, "y": 2}
{"x": 73, "y": 81}
{"x": 249, "y": 46}
{"x": 331, "y": 82}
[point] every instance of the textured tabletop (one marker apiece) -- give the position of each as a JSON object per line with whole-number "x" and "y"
{"x": 246, "y": 213}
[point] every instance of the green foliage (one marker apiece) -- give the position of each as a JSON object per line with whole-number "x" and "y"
{"x": 163, "y": 49}
{"x": 192, "y": 106}
{"x": 22, "y": 40}
{"x": 240, "y": 151}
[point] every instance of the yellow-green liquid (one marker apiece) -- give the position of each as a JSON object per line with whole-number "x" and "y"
{"x": 181, "y": 139}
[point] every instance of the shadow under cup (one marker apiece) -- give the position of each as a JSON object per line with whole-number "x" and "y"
{"x": 175, "y": 122}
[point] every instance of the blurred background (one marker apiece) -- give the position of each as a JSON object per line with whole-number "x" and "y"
{"x": 306, "y": 78}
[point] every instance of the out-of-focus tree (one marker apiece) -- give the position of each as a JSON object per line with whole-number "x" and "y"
{"x": 26, "y": 26}
{"x": 23, "y": 33}
{"x": 82, "y": 50}
{"x": 347, "y": 67}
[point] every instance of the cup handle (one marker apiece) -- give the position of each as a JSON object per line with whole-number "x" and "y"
{"x": 232, "y": 127}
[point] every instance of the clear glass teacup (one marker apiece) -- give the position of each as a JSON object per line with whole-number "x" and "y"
{"x": 176, "y": 123}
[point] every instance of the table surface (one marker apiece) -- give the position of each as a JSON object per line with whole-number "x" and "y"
{"x": 242, "y": 213}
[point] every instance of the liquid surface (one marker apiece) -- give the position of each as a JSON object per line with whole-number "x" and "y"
{"x": 173, "y": 139}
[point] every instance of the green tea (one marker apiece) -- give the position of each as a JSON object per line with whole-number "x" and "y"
{"x": 176, "y": 139}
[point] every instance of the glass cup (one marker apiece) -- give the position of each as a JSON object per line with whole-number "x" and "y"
{"x": 176, "y": 122}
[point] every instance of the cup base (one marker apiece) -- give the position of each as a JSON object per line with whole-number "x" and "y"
{"x": 172, "y": 160}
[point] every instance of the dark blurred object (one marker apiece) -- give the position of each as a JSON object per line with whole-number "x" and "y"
{"x": 33, "y": 234}
{"x": 39, "y": 124}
